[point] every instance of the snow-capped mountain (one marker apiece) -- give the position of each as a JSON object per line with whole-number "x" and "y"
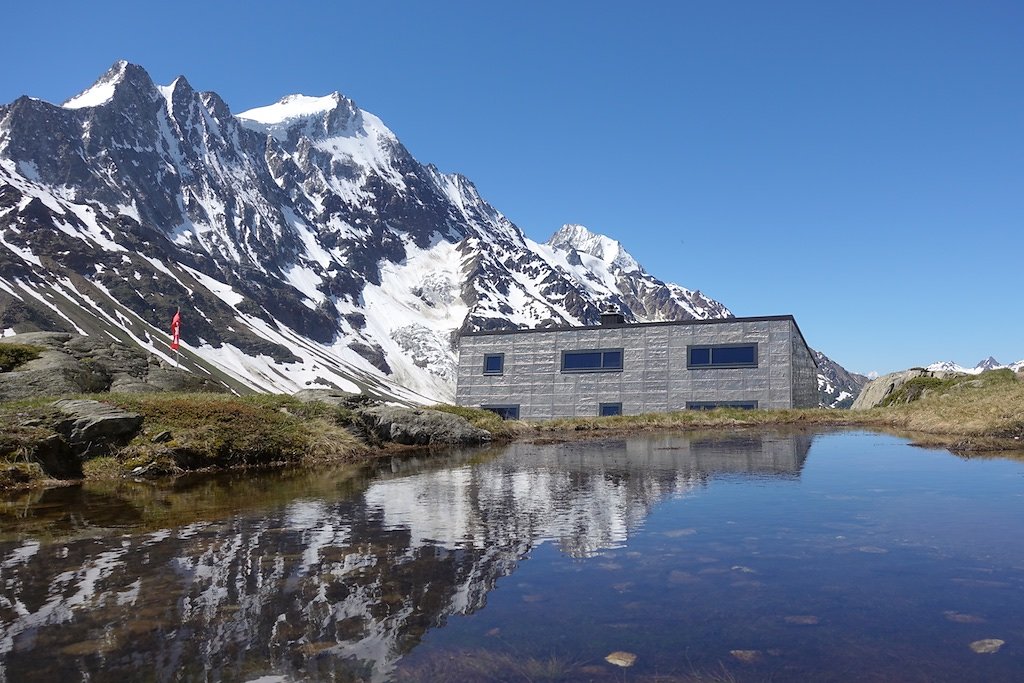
{"x": 302, "y": 241}
{"x": 989, "y": 363}
{"x": 837, "y": 388}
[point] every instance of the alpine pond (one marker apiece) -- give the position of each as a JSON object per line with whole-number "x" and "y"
{"x": 748, "y": 555}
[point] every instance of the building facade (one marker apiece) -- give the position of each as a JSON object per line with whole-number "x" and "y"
{"x": 617, "y": 368}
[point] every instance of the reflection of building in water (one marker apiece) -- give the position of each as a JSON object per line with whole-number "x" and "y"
{"x": 326, "y": 589}
{"x": 586, "y": 495}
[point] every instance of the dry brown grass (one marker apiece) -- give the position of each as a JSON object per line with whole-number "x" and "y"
{"x": 985, "y": 413}
{"x": 968, "y": 414}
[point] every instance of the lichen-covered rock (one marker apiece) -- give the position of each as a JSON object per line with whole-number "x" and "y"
{"x": 334, "y": 397}
{"x": 878, "y": 389}
{"x": 92, "y": 428}
{"x": 418, "y": 427}
{"x": 76, "y": 364}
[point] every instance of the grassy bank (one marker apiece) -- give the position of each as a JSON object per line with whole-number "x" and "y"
{"x": 967, "y": 413}
{"x": 187, "y": 432}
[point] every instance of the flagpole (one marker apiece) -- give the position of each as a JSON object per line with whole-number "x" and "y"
{"x": 175, "y": 344}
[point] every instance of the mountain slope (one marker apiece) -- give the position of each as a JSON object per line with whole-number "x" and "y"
{"x": 837, "y": 388}
{"x": 303, "y": 242}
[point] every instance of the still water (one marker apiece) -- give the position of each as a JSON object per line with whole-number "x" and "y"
{"x": 746, "y": 556}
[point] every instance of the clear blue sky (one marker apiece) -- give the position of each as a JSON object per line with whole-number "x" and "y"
{"x": 857, "y": 164}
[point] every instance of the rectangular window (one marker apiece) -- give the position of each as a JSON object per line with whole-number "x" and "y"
{"x": 494, "y": 364}
{"x": 610, "y": 409}
{"x": 711, "y": 405}
{"x": 505, "y": 412}
{"x": 601, "y": 360}
{"x": 722, "y": 356}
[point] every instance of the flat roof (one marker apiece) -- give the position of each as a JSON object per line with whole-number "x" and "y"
{"x": 660, "y": 323}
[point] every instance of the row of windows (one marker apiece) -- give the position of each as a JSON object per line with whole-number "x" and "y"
{"x": 610, "y": 360}
{"x": 607, "y": 360}
{"x": 511, "y": 411}
{"x": 711, "y": 405}
{"x": 722, "y": 356}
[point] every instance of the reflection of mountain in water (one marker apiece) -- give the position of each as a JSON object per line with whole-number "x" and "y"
{"x": 332, "y": 589}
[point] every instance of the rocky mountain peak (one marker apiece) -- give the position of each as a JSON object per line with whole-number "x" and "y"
{"x": 313, "y": 117}
{"x": 577, "y": 237}
{"x": 989, "y": 363}
{"x": 122, "y": 77}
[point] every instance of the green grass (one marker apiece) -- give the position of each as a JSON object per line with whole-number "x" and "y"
{"x": 220, "y": 430}
{"x": 14, "y": 355}
{"x": 204, "y": 431}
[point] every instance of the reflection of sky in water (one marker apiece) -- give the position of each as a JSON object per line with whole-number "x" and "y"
{"x": 859, "y": 558}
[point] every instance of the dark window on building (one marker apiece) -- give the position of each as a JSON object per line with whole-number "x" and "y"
{"x": 505, "y": 412}
{"x": 722, "y": 356}
{"x": 711, "y": 405}
{"x": 606, "y": 360}
{"x": 610, "y": 409}
{"x": 494, "y": 364}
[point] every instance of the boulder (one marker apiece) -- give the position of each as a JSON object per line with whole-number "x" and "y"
{"x": 418, "y": 426}
{"x": 334, "y": 397}
{"x": 875, "y": 391}
{"x": 92, "y": 428}
{"x": 78, "y": 364}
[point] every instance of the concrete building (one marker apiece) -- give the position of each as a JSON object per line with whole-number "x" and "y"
{"x": 617, "y": 368}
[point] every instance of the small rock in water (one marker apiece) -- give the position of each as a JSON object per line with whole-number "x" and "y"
{"x": 961, "y": 618}
{"x": 676, "y": 576}
{"x": 988, "y": 646}
{"x": 676, "y": 533}
{"x": 620, "y": 658}
{"x": 746, "y": 656}
{"x": 801, "y": 619}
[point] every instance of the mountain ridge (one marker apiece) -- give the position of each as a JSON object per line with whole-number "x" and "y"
{"x": 311, "y": 248}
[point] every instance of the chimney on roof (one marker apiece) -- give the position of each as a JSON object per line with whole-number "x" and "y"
{"x": 611, "y": 316}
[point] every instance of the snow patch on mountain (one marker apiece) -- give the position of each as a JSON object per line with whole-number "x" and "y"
{"x": 573, "y": 237}
{"x": 289, "y": 108}
{"x": 101, "y": 92}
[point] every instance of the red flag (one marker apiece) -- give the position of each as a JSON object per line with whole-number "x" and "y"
{"x": 176, "y": 330}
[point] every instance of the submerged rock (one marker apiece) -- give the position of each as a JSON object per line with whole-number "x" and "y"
{"x": 961, "y": 618}
{"x": 621, "y": 658}
{"x": 801, "y": 619}
{"x": 988, "y": 646}
{"x": 746, "y": 656}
